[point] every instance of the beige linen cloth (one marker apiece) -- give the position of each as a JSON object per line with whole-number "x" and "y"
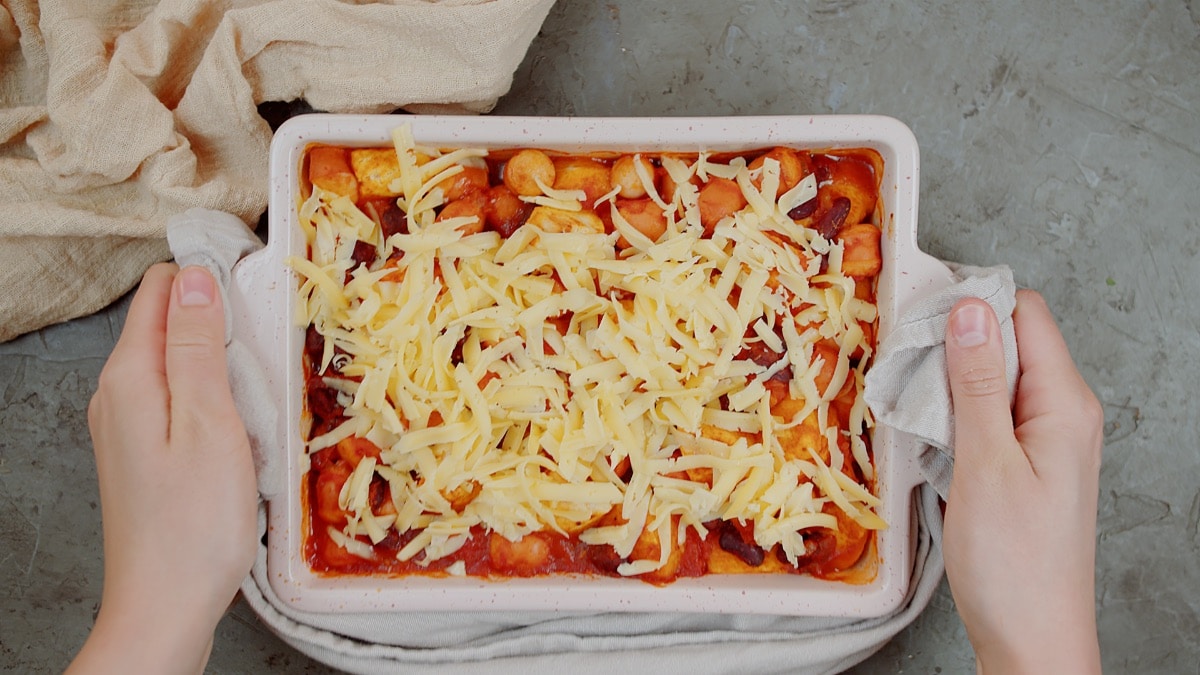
{"x": 116, "y": 114}
{"x": 911, "y": 393}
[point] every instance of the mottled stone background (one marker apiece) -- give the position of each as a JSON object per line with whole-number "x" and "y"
{"x": 1062, "y": 138}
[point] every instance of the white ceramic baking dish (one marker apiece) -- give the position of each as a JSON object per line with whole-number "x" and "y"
{"x": 263, "y": 301}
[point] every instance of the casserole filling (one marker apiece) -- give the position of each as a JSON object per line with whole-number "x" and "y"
{"x": 523, "y": 363}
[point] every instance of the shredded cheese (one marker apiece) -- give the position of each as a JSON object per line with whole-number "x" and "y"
{"x": 646, "y": 371}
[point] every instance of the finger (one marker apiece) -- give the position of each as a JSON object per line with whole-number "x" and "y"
{"x": 195, "y": 351}
{"x": 144, "y": 334}
{"x": 1046, "y": 365}
{"x": 1054, "y": 406}
{"x": 975, "y": 364}
{"x": 134, "y": 377}
{"x": 135, "y": 368}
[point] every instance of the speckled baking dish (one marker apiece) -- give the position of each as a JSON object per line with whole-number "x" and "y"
{"x": 263, "y": 302}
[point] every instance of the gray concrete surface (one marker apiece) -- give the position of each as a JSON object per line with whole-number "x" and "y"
{"x": 1062, "y": 138}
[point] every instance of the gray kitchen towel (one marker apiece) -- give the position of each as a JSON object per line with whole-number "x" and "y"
{"x": 217, "y": 241}
{"x": 907, "y": 387}
{"x": 550, "y": 642}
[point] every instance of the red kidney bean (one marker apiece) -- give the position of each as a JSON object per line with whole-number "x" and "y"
{"x": 819, "y": 546}
{"x": 323, "y": 405}
{"x": 364, "y": 253}
{"x": 803, "y": 210}
{"x": 731, "y": 541}
{"x": 393, "y": 221}
{"x": 830, "y": 223}
{"x": 378, "y": 493}
{"x": 604, "y": 558}
{"x": 760, "y": 353}
{"x": 314, "y": 345}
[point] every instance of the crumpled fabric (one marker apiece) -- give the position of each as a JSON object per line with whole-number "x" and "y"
{"x": 908, "y": 388}
{"x": 117, "y": 114}
{"x": 606, "y": 642}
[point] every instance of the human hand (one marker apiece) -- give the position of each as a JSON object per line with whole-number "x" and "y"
{"x": 1020, "y": 534}
{"x": 177, "y": 486}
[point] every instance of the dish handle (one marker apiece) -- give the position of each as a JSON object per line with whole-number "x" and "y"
{"x": 257, "y": 353}
{"x": 252, "y": 299}
{"x": 923, "y": 277}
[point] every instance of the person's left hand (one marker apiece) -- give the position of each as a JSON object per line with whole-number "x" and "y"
{"x": 177, "y": 485}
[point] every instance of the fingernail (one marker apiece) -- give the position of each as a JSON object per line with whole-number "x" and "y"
{"x": 196, "y": 287}
{"x": 969, "y": 326}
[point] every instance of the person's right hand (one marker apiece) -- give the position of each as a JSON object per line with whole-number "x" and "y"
{"x": 1021, "y": 514}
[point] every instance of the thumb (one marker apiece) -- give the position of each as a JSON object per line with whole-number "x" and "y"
{"x": 975, "y": 363}
{"x": 195, "y": 348}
